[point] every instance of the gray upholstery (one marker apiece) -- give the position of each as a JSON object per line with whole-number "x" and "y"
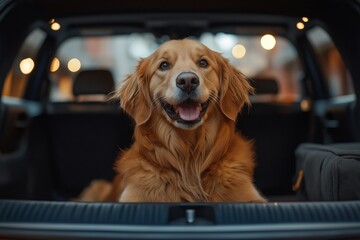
{"x": 330, "y": 172}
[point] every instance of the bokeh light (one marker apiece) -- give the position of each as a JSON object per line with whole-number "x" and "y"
{"x": 26, "y": 65}
{"x": 300, "y": 25}
{"x": 55, "y": 64}
{"x": 55, "y": 26}
{"x": 238, "y": 51}
{"x": 268, "y": 41}
{"x": 74, "y": 65}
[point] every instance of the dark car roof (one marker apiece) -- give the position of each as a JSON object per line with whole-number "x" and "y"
{"x": 283, "y": 7}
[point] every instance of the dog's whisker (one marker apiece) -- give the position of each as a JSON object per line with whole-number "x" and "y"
{"x": 214, "y": 98}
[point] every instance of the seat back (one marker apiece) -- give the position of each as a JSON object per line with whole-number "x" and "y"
{"x": 277, "y": 128}
{"x": 86, "y": 136}
{"x": 93, "y": 83}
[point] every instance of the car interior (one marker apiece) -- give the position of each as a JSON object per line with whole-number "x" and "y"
{"x": 62, "y": 61}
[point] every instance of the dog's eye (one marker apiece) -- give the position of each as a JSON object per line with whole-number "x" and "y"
{"x": 164, "y": 66}
{"x": 203, "y": 63}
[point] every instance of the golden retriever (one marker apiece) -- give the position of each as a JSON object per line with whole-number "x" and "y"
{"x": 184, "y": 99}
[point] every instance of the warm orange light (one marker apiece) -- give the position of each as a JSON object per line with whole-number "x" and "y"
{"x": 27, "y": 65}
{"x": 74, "y": 65}
{"x": 268, "y": 42}
{"x": 300, "y": 25}
{"x": 305, "y": 19}
{"x": 238, "y": 51}
{"x": 55, "y": 26}
{"x": 305, "y": 105}
{"x": 55, "y": 64}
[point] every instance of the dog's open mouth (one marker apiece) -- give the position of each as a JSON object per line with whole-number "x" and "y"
{"x": 188, "y": 112}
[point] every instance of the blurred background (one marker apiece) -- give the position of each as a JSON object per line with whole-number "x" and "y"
{"x": 264, "y": 56}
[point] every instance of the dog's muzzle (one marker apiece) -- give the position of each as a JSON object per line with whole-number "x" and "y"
{"x": 188, "y": 112}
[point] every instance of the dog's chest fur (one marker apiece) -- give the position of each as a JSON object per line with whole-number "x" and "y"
{"x": 177, "y": 167}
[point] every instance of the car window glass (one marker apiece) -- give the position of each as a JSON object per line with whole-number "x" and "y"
{"x": 337, "y": 77}
{"x": 270, "y": 62}
{"x": 25, "y": 62}
{"x": 273, "y": 62}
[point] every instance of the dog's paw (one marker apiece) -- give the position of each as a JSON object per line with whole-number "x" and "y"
{"x": 97, "y": 191}
{"x": 259, "y": 200}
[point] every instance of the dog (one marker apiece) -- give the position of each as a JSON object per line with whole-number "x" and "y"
{"x": 184, "y": 99}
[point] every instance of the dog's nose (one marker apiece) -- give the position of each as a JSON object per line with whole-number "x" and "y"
{"x": 187, "y": 81}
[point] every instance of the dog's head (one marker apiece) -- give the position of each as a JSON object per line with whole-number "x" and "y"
{"x": 183, "y": 81}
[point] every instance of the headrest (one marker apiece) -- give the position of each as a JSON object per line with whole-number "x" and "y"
{"x": 93, "y": 82}
{"x": 265, "y": 86}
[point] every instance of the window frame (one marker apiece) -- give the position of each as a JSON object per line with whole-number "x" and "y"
{"x": 320, "y": 69}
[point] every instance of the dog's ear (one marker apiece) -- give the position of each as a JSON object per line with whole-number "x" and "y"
{"x": 234, "y": 88}
{"x": 134, "y": 94}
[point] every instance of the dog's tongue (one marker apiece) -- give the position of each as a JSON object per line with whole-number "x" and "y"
{"x": 189, "y": 111}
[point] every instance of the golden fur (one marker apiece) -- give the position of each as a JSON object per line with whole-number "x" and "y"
{"x": 172, "y": 161}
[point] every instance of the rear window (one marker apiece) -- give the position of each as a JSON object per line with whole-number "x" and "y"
{"x": 268, "y": 59}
